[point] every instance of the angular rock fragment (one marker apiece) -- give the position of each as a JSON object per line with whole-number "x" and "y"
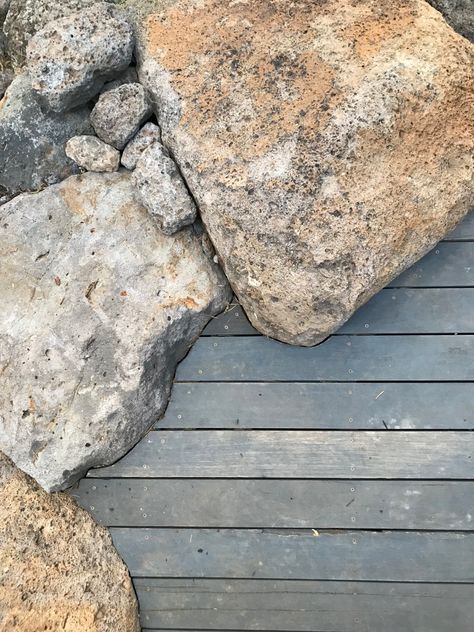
{"x": 328, "y": 145}
{"x": 25, "y": 17}
{"x": 92, "y": 154}
{"x": 98, "y": 307}
{"x": 58, "y": 569}
{"x": 162, "y": 190}
{"x": 459, "y": 14}
{"x": 148, "y": 134}
{"x": 70, "y": 59}
{"x": 119, "y": 112}
{"x": 32, "y": 140}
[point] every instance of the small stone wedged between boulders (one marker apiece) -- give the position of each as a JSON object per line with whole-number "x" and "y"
{"x": 92, "y": 154}
{"x": 119, "y": 112}
{"x": 149, "y": 134}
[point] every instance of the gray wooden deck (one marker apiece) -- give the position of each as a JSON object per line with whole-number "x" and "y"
{"x": 321, "y": 490}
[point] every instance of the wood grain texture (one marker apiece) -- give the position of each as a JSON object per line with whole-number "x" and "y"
{"x": 279, "y": 503}
{"x": 340, "y": 358}
{"x": 391, "y": 311}
{"x": 298, "y": 454}
{"x": 332, "y": 406}
{"x": 304, "y": 606}
{"x": 357, "y": 555}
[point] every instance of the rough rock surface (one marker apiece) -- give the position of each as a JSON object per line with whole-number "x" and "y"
{"x": 92, "y": 154}
{"x": 97, "y": 309}
{"x": 70, "y": 59}
{"x": 25, "y": 17}
{"x": 58, "y": 569}
{"x": 149, "y": 134}
{"x": 162, "y": 190}
{"x": 32, "y": 140}
{"x": 119, "y": 112}
{"x": 128, "y": 76}
{"x": 329, "y": 145}
{"x": 459, "y": 14}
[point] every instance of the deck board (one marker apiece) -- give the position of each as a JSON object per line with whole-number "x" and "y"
{"x": 312, "y": 490}
{"x": 304, "y": 606}
{"x": 320, "y": 406}
{"x": 299, "y": 504}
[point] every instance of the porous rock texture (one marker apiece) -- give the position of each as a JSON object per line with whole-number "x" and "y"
{"x": 329, "y": 145}
{"x": 119, "y": 112}
{"x": 25, "y": 17}
{"x": 162, "y": 190}
{"x": 58, "y": 569}
{"x": 98, "y": 307}
{"x": 70, "y": 59}
{"x": 92, "y": 154}
{"x": 459, "y": 14}
{"x": 149, "y": 134}
{"x": 32, "y": 140}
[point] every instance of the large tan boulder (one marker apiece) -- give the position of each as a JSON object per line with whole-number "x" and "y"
{"x": 58, "y": 569}
{"x": 329, "y": 145}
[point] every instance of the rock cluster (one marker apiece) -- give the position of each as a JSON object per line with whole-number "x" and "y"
{"x": 58, "y": 569}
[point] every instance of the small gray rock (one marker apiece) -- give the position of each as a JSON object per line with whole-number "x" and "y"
{"x": 32, "y": 141}
{"x": 119, "y": 112}
{"x": 148, "y": 134}
{"x": 162, "y": 190}
{"x": 92, "y": 154}
{"x": 25, "y": 17}
{"x": 70, "y": 59}
{"x": 129, "y": 76}
{"x": 98, "y": 307}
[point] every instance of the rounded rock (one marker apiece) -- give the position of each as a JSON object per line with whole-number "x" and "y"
{"x": 119, "y": 112}
{"x": 70, "y": 59}
{"x": 92, "y": 154}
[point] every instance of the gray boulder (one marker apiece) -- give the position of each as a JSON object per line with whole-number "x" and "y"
{"x": 70, "y": 59}
{"x": 459, "y": 14}
{"x": 162, "y": 190}
{"x": 149, "y": 134}
{"x": 119, "y": 112}
{"x": 98, "y": 307}
{"x": 92, "y": 154}
{"x": 32, "y": 141}
{"x": 25, "y": 17}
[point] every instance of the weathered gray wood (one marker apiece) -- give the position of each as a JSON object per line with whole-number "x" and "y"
{"x": 276, "y": 503}
{"x": 449, "y": 264}
{"x": 465, "y": 230}
{"x": 298, "y": 454}
{"x": 293, "y": 405}
{"x": 340, "y": 358}
{"x": 338, "y": 555}
{"x": 395, "y": 311}
{"x": 305, "y": 606}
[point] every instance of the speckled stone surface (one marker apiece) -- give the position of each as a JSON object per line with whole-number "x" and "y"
{"x": 329, "y": 145}
{"x": 58, "y": 569}
{"x": 71, "y": 58}
{"x": 98, "y": 308}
